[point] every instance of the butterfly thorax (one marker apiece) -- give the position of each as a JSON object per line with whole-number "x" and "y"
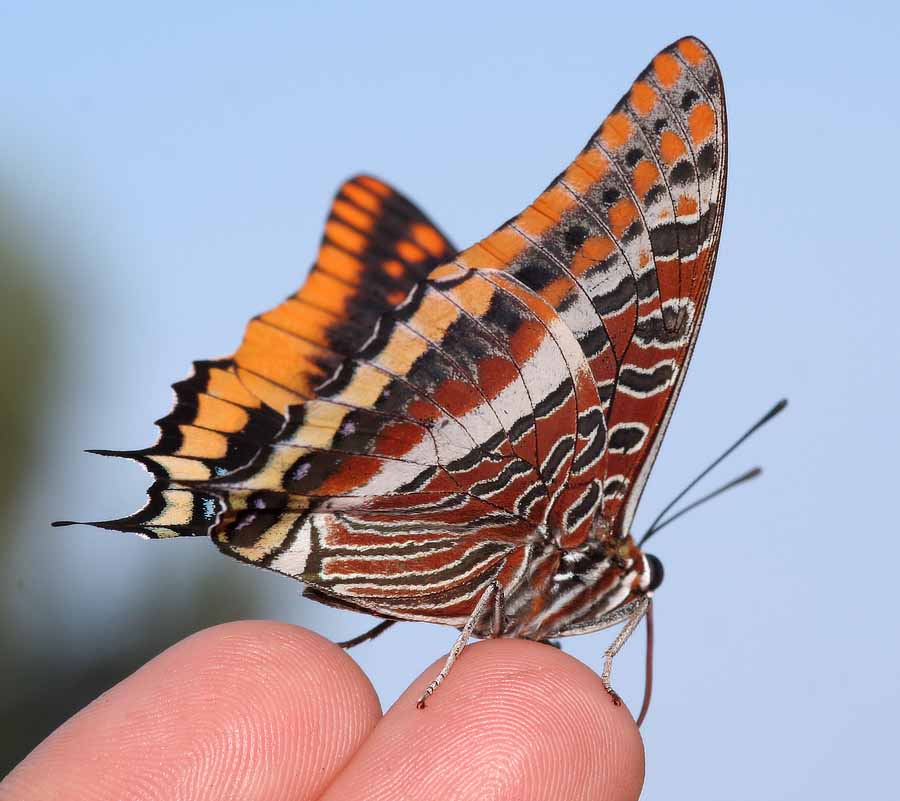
{"x": 572, "y": 590}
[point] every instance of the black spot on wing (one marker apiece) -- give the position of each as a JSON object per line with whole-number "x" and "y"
{"x": 575, "y": 236}
{"x": 707, "y": 160}
{"x": 584, "y": 506}
{"x": 688, "y": 99}
{"x": 559, "y": 453}
{"x": 683, "y": 173}
{"x": 554, "y": 400}
{"x": 625, "y": 438}
{"x": 646, "y": 383}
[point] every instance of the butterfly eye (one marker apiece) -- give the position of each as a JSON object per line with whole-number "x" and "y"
{"x": 656, "y": 572}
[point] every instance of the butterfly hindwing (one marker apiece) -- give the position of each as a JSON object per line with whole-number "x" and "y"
{"x": 376, "y": 246}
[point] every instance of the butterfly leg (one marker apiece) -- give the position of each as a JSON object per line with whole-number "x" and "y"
{"x": 621, "y": 638}
{"x": 493, "y": 593}
{"x": 371, "y": 634}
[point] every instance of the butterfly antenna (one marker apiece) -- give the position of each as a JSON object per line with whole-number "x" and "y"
{"x": 748, "y": 476}
{"x": 655, "y": 525}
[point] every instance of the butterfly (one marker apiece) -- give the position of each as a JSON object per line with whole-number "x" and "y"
{"x": 462, "y": 437}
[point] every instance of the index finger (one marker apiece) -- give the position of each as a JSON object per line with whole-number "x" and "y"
{"x": 515, "y": 720}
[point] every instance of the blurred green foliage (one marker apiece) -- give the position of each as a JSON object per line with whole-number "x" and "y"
{"x": 38, "y": 689}
{"x": 27, "y": 327}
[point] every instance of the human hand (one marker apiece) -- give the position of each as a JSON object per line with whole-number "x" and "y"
{"x": 261, "y": 710}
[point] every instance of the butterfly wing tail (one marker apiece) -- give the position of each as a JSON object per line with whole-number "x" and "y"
{"x": 170, "y": 511}
{"x": 215, "y": 427}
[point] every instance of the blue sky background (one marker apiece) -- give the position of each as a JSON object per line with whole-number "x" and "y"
{"x": 175, "y": 162}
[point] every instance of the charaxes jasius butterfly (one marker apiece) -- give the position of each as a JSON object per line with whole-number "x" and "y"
{"x": 462, "y": 437}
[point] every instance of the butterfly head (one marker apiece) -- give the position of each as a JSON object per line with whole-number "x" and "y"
{"x": 643, "y": 570}
{"x": 653, "y": 574}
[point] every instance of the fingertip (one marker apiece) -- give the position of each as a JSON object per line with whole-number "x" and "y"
{"x": 519, "y": 718}
{"x": 250, "y": 708}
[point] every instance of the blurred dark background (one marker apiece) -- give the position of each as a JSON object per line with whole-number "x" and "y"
{"x": 42, "y": 686}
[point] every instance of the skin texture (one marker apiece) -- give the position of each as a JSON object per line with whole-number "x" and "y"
{"x": 261, "y": 710}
